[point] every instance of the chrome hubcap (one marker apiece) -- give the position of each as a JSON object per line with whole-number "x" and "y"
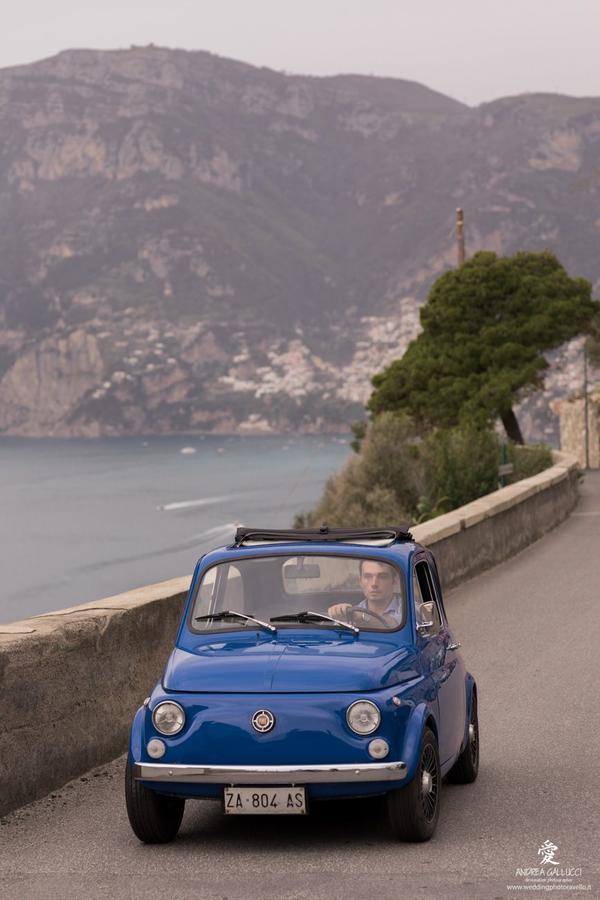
{"x": 474, "y": 736}
{"x": 426, "y": 782}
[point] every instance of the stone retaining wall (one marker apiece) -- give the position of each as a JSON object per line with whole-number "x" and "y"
{"x": 71, "y": 680}
{"x": 572, "y": 430}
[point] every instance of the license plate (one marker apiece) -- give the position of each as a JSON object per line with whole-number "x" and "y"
{"x": 260, "y": 801}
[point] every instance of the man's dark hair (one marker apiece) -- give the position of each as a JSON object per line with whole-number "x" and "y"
{"x": 379, "y": 563}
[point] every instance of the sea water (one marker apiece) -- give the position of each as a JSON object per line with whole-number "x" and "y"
{"x": 81, "y": 520}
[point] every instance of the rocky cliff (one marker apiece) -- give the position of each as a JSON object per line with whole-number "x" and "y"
{"x": 192, "y": 243}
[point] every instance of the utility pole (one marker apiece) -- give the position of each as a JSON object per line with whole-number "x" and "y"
{"x": 586, "y": 404}
{"x": 460, "y": 236}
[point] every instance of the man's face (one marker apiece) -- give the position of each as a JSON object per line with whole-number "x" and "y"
{"x": 378, "y": 582}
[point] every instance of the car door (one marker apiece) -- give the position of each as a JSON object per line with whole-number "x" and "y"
{"x": 439, "y": 651}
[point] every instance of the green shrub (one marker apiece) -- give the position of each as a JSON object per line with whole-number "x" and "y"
{"x": 381, "y": 485}
{"x": 461, "y": 464}
{"x": 528, "y": 460}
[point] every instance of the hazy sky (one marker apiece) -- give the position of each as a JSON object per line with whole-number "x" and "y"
{"x": 474, "y": 50}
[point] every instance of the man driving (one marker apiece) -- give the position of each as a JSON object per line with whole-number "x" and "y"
{"x": 380, "y": 583}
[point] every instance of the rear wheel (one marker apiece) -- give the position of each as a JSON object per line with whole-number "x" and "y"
{"x": 154, "y": 818}
{"x": 466, "y": 767}
{"x": 414, "y": 810}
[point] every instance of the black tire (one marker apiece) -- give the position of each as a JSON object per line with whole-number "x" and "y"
{"x": 154, "y": 818}
{"x": 466, "y": 767}
{"x": 414, "y": 810}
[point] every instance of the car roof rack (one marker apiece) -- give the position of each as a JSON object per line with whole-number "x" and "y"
{"x": 374, "y": 537}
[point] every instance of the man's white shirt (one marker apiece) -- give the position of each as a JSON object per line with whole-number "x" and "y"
{"x": 394, "y": 609}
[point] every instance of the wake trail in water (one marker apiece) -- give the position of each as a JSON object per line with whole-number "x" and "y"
{"x": 212, "y": 532}
{"x": 192, "y": 504}
{"x": 197, "y": 540}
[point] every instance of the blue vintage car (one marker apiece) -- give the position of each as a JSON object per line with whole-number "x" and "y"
{"x": 309, "y": 665}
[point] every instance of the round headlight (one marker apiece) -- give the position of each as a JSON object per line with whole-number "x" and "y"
{"x": 168, "y": 718}
{"x": 363, "y": 717}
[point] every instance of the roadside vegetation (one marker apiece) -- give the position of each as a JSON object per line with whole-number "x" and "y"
{"x": 399, "y": 476}
{"x": 431, "y": 444}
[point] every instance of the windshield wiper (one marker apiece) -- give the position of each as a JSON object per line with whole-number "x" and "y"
{"x": 309, "y": 616}
{"x": 232, "y": 614}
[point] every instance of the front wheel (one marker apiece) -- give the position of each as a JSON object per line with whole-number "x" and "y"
{"x": 154, "y": 818}
{"x": 414, "y": 810}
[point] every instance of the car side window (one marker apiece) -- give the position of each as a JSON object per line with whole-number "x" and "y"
{"x": 424, "y": 592}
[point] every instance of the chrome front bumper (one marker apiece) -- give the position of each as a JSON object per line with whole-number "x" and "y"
{"x": 328, "y": 774}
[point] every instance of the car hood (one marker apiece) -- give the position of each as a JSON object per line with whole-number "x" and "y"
{"x": 293, "y": 665}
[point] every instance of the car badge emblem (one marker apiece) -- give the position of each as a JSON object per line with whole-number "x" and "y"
{"x": 263, "y": 720}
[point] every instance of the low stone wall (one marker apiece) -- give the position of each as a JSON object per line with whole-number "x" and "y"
{"x": 71, "y": 680}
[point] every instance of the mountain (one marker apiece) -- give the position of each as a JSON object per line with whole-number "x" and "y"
{"x": 192, "y": 243}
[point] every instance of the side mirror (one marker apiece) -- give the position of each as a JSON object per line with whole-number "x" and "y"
{"x": 426, "y": 613}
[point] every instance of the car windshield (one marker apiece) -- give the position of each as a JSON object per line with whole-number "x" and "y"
{"x": 300, "y": 591}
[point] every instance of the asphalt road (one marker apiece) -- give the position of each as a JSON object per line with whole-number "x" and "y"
{"x": 530, "y": 631}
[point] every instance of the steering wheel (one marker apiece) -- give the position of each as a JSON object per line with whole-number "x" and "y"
{"x": 359, "y": 613}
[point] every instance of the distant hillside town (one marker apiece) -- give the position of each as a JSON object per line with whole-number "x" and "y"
{"x": 189, "y": 243}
